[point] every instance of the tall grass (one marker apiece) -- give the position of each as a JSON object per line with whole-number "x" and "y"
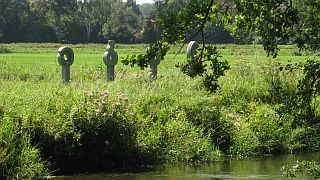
{"x": 91, "y": 124}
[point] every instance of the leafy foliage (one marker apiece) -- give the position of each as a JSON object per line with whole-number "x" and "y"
{"x": 205, "y": 63}
{"x": 309, "y": 88}
{"x": 155, "y": 50}
{"x": 18, "y": 158}
{"x": 272, "y": 21}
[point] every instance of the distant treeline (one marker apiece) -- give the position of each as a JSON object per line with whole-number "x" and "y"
{"x": 84, "y": 21}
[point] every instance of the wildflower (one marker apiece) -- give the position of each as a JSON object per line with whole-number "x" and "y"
{"x": 98, "y": 111}
{"x": 96, "y": 101}
{"x": 126, "y": 99}
{"x": 105, "y": 94}
{"x": 138, "y": 125}
{"x": 96, "y": 91}
{"x": 120, "y": 96}
{"x": 132, "y": 114}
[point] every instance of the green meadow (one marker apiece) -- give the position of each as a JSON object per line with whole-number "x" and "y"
{"x": 92, "y": 125}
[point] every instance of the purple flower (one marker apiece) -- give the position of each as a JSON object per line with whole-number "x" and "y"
{"x": 105, "y": 94}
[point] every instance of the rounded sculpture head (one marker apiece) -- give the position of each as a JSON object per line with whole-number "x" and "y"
{"x": 110, "y": 58}
{"x": 65, "y": 56}
{"x": 110, "y": 45}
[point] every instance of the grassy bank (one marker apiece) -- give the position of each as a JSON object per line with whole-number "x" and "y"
{"x": 94, "y": 125}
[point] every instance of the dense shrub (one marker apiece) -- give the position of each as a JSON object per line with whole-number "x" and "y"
{"x": 263, "y": 132}
{"x": 98, "y": 132}
{"x": 18, "y": 158}
{"x": 108, "y": 130}
{"x": 185, "y": 142}
{"x": 174, "y": 141}
{"x": 206, "y": 115}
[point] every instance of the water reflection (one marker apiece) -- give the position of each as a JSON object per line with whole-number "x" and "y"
{"x": 254, "y": 168}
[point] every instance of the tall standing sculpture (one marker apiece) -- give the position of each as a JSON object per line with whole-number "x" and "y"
{"x": 65, "y": 59}
{"x": 154, "y": 68}
{"x": 154, "y": 62}
{"x": 110, "y": 58}
{"x": 191, "y": 49}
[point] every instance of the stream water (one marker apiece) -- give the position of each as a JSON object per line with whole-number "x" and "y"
{"x": 254, "y": 168}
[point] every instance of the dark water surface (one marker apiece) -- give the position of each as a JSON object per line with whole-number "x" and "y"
{"x": 254, "y": 168}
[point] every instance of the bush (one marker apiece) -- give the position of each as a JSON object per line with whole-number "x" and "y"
{"x": 99, "y": 132}
{"x": 205, "y": 114}
{"x": 18, "y": 159}
{"x": 173, "y": 141}
{"x": 304, "y": 139}
{"x": 263, "y": 132}
{"x": 186, "y": 143}
{"x": 108, "y": 130}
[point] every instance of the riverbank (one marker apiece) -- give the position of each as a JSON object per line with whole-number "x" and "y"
{"x": 238, "y": 169}
{"x": 93, "y": 125}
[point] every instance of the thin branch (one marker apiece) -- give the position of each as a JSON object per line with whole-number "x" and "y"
{"x": 201, "y": 29}
{"x": 202, "y": 26}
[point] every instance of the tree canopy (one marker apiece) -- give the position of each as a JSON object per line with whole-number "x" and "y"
{"x": 273, "y": 21}
{"x": 73, "y": 21}
{"x": 179, "y": 21}
{"x": 82, "y": 21}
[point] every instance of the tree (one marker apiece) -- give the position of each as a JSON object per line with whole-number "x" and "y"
{"x": 87, "y": 9}
{"x": 36, "y": 27}
{"x": 307, "y": 34}
{"x": 150, "y": 32}
{"x": 147, "y": 10}
{"x": 122, "y": 23}
{"x": 58, "y": 9}
{"x": 273, "y": 21}
{"x": 134, "y": 6}
{"x": 11, "y": 13}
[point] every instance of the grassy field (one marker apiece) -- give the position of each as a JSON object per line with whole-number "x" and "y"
{"x": 90, "y": 124}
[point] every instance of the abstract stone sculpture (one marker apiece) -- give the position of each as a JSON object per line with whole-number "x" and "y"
{"x": 65, "y": 59}
{"x": 154, "y": 62}
{"x": 110, "y": 58}
{"x": 154, "y": 68}
{"x": 192, "y": 48}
